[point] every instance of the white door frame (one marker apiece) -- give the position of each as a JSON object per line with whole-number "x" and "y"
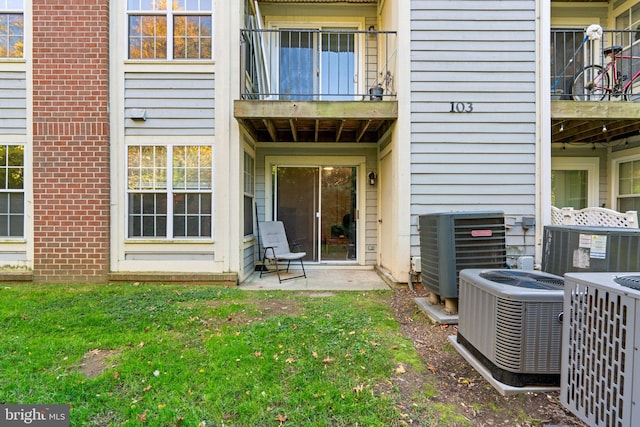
{"x": 359, "y": 162}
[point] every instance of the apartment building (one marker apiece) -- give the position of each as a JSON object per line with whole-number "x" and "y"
{"x": 146, "y": 139}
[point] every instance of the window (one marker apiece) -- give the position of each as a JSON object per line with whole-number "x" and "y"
{"x": 11, "y": 190}
{"x": 11, "y": 28}
{"x": 179, "y": 29}
{"x": 628, "y": 198}
{"x": 574, "y": 182}
{"x": 249, "y": 180}
{"x": 628, "y": 20}
{"x": 169, "y": 191}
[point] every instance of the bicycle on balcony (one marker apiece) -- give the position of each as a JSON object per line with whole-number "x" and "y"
{"x": 597, "y": 83}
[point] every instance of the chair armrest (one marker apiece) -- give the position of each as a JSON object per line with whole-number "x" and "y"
{"x": 273, "y": 251}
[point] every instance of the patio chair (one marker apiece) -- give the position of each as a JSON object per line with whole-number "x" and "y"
{"x": 276, "y": 249}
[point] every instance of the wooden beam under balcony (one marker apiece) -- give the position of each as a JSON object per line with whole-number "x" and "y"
{"x": 595, "y": 110}
{"x": 583, "y": 122}
{"x": 316, "y": 121}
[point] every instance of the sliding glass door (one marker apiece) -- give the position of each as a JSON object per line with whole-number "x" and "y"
{"x": 316, "y": 64}
{"x": 317, "y": 205}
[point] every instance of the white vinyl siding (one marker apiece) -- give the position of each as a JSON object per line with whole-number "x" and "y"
{"x": 175, "y": 104}
{"x": 480, "y": 56}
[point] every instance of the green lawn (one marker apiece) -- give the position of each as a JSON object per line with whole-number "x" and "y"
{"x": 202, "y": 355}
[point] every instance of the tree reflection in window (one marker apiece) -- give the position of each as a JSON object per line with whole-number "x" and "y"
{"x": 182, "y": 30}
{"x": 11, "y": 28}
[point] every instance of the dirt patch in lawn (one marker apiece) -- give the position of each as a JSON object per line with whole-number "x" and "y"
{"x": 452, "y": 384}
{"x": 93, "y": 362}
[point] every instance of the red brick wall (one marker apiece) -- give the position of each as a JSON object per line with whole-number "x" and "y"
{"x": 71, "y": 140}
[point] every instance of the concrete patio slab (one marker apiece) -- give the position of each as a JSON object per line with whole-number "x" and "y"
{"x": 320, "y": 279}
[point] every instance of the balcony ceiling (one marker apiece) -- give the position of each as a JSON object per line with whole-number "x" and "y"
{"x": 574, "y": 122}
{"x": 316, "y": 121}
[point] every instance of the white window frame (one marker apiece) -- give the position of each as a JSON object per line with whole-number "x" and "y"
{"x": 589, "y": 164}
{"x": 170, "y": 191}
{"x": 616, "y": 160}
{"x": 4, "y": 9}
{"x": 249, "y": 189}
{"x": 169, "y": 14}
{"x": 22, "y": 191}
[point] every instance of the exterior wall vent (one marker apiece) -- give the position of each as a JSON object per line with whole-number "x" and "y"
{"x": 600, "y": 361}
{"x": 453, "y": 241}
{"x": 510, "y": 321}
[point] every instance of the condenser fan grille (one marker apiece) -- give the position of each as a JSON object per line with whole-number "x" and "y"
{"x": 523, "y": 279}
{"x": 632, "y": 282}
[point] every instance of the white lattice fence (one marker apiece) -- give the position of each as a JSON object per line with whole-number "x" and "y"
{"x": 594, "y": 217}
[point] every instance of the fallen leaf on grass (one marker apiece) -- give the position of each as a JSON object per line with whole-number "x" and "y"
{"x": 290, "y": 360}
{"x": 328, "y": 360}
{"x": 400, "y": 369}
{"x": 142, "y": 417}
{"x": 281, "y": 418}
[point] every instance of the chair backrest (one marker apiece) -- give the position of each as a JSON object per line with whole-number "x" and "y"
{"x": 272, "y": 234}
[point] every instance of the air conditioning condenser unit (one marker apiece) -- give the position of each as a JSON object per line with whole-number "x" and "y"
{"x": 601, "y": 338}
{"x": 453, "y": 241}
{"x": 509, "y": 320}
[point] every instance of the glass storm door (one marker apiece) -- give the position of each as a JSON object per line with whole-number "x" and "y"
{"x": 318, "y": 208}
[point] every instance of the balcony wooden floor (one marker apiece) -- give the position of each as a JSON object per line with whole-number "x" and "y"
{"x": 316, "y": 121}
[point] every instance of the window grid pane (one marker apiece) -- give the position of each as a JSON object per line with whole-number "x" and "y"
{"x": 192, "y": 5}
{"x": 629, "y": 178}
{"x": 192, "y": 215}
{"x": 249, "y": 179}
{"x": 11, "y": 191}
{"x": 192, "y": 168}
{"x": 147, "y": 215}
{"x": 147, "y": 37}
{"x": 11, "y": 35}
{"x": 192, "y": 37}
{"x": 147, "y": 168}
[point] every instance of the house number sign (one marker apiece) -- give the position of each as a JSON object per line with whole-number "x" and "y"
{"x": 461, "y": 107}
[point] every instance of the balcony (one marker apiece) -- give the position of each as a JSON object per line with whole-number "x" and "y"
{"x": 600, "y": 115}
{"x": 317, "y": 85}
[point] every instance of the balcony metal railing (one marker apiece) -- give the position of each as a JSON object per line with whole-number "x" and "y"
{"x": 318, "y": 65}
{"x": 572, "y": 51}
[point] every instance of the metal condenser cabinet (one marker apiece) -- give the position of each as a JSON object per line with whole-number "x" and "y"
{"x": 453, "y": 241}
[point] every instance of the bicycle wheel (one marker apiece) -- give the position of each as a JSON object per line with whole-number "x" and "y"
{"x": 632, "y": 90}
{"x": 591, "y": 84}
